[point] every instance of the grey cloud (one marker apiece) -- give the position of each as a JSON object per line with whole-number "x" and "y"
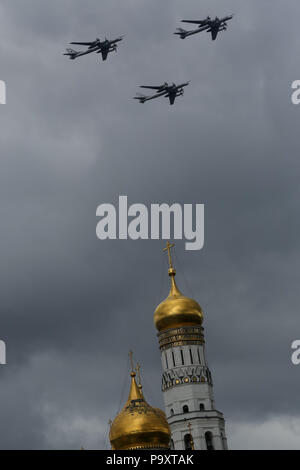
{"x": 73, "y": 138}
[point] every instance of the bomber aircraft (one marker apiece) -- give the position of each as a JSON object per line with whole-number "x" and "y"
{"x": 208, "y": 25}
{"x": 166, "y": 90}
{"x": 98, "y": 46}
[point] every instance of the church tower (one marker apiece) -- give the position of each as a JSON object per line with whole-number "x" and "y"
{"x": 186, "y": 379}
{"x": 139, "y": 426}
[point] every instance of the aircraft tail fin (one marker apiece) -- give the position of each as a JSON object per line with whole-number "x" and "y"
{"x": 142, "y": 98}
{"x": 71, "y": 53}
{"x": 181, "y": 33}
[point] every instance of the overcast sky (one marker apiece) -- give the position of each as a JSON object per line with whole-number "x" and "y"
{"x": 72, "y": 138}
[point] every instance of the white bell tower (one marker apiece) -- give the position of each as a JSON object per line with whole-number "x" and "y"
{"x": 186, "y": 379}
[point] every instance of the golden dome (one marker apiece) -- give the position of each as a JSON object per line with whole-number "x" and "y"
{"x": 176, "y": 310}
{"x": 138, "y": 425}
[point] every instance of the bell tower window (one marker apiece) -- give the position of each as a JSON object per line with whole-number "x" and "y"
{"x": 188, "y": 442}
{"x": 209, "y": 441}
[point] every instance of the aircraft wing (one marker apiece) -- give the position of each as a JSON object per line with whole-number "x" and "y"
{"x": 179, "y": 87}
{"x": 152, "y": 87}
{"x": 227, "y": 18}
{"x": 151, "y": 97}
{"x": 200, "y": 22}
{"x": 84, "y": 43}
{"x": 116, "y": 40}
{"x": 203, "y": 28}
{"x": 157, "y": 95}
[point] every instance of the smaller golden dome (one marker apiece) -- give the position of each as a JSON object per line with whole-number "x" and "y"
{"x": 177, "y": 310}
{"x": 138, "y": 425}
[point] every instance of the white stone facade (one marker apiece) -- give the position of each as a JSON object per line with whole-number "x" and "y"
{"x": 188, "y": 396}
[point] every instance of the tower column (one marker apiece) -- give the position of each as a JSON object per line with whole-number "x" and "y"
{"x": 186, "y": 379}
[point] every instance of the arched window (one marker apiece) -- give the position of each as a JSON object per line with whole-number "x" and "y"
{"x": 182, "y": 358}
{"x": 198, "y": 356}
{"x": 209, "y": 441}
{"x": 188, "y": 442}
{"x": 223, "y": 441}
{"x": 172, "y": 444}
{"x": 173, "y": 357}
{"x": 202, "y": 407}
{"x": 191, "y": 357}
{"x": 166, "y": 358}
{"x": 172, "y": 411}
{"x": 185, "y": 409}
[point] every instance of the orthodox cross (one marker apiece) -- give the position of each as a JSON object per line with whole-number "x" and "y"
{"x": 192, "y": 440}
{"x": 138, "y": 371}
{"x": 168, "y": 249}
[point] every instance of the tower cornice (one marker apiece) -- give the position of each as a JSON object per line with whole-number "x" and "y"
{"x": 181, "y": 336}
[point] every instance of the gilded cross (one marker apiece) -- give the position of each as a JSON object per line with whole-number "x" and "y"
{"x": 192, "y": 440}
{"x": 138, "y": 371}
{"x": 168, "y": 249}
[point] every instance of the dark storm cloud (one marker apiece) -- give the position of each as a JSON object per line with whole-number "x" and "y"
{"x": 72, "y": 138}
